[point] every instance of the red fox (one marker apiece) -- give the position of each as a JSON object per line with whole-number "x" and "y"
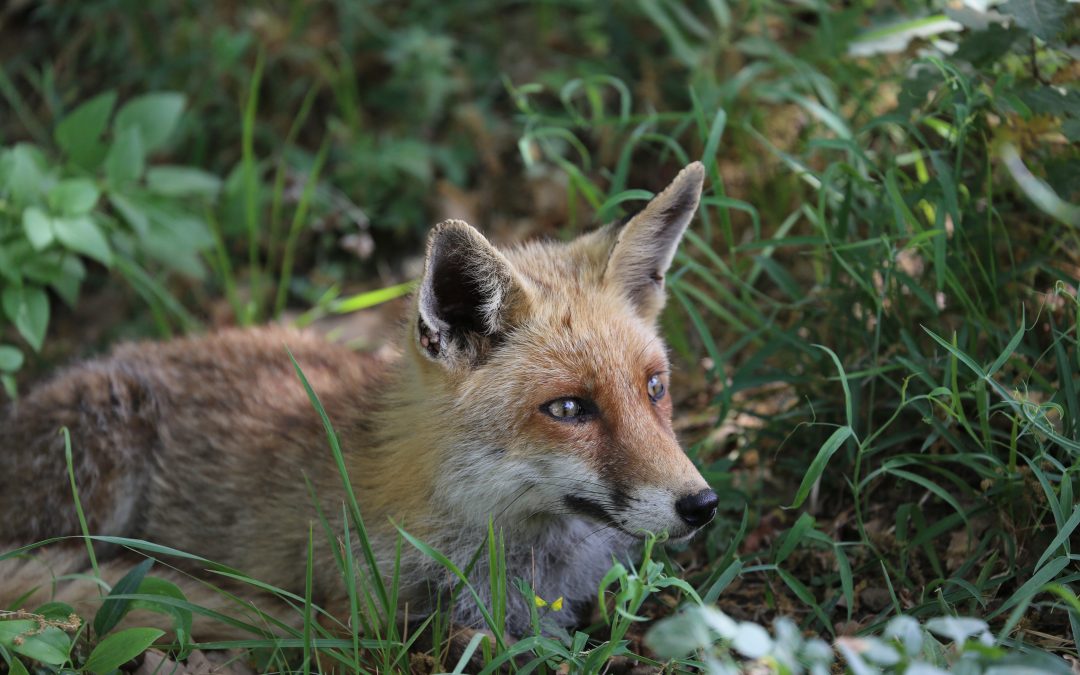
{"x": 531, "y": 390}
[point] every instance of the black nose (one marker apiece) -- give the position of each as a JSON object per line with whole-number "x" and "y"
{"x": 697, "y": 509}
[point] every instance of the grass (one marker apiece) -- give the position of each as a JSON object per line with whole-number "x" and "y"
{"x": 876, "y": 312}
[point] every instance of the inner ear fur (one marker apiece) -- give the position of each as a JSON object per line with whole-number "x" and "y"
{"x": 466, "y": 294}
{"x": 646, "y": 244}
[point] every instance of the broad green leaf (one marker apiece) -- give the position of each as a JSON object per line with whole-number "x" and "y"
{"x": 154, "y": 115}
{"x": 1044, "y": 18}
{"x": 955, "y": 628}
{"x": 1048, "y": 100}
{"x": 176, "y": 238}
{"x": 132, "y": 212}
{"x": 43, "y": 268}
{"x": 8, "y": 382}
{"x": 679, "y": 635}
{"x": 751, "y": 640}
{"x": 73, "y": 197}
{"x": 113, "y": 609}
{"x": 55, "y": 611}
{"x": 28, "y": 309}
{"x": 126, "y": 160}
{"x": 907, "y": 632}
{"x": 181, "y": 617}
{"x": 182, "y": 180}
{"x": 986, "y": 46}
{"x": 66, "y": 285}
{"x": 38, "y": 228}
{"x": 50, "y": 646}
{"x": 116, "y": 650}
{"x": 8, "y": 270}
{"x": 79, "y": 134}
{"x": 25, "y": 175}
{"x": 1071, "y": 129}
{"x": 83, "y": 235}
{"x": 11, "y": 359}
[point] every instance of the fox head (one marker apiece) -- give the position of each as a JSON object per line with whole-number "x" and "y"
{"x": 549, "y": 379}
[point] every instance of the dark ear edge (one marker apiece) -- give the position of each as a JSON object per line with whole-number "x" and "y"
{"x": 463, "y": 296}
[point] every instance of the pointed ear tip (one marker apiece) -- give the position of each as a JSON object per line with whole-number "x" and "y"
{"x": 458, "y": 229}
{"x": 694, "y": 171}
{"x": 451, "y": 224}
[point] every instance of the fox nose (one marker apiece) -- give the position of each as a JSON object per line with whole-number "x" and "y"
{"x": 698, "y": 508}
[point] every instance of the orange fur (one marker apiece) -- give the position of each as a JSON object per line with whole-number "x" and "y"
{"x": 203, "y": 444}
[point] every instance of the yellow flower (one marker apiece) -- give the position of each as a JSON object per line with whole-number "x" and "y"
{"x": 557, "y": 605}
{"x": 540, "y": 602}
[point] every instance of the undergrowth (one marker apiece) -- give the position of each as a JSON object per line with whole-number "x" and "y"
{"x": 876, "y": 312}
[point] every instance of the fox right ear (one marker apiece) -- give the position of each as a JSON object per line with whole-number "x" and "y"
{"x": 465, "y": 296}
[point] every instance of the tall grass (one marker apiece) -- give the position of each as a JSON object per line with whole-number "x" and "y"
{"x": 876, "y": 313}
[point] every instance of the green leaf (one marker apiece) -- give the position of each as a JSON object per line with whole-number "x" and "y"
{"x": 1034, "y": 585}
{"x": 1062, "y": 538}
{"x": 28, "y": 309}
{"x": 181, "y": 616}
{"x": 38, "y": 228}
{"x": 113, "y": 609}
{"x": 55, "y": 611}
{"x": 25, "y": 175}
{"x": 182, "y": 180}
{"x": 73, "y": 197}
{"x": 82, "y": 234}
{"x": 176, "y": 238}
{"x": 1044, "y": 18}
{"x": 132, "y": 212}
{"x": 367, "y": 299}
{"x": 751, "y": 640}
{"x": 793, "y": 536}
{"x": 67, "y": 283}
{"x": 1071, "y": 129}
{"x": 983, "y": 47}
{"x": 79, "y": 134}
{"x": 154, "y": 115}
{"x": 895, "y": 36}
{"x": 50, "y": 646}
{"x": 817, "y": 467}
{"x": 1049, "y": 100}
{"x": 15, "y": 666}
{"x": 116, "y": 650}
{"x": 126, "y": 160}
{"x": 11, "y": 359}
{"x": 957, "y": 628}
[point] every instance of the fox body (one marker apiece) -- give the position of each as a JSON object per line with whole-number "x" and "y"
{"x": 529, "y": 393}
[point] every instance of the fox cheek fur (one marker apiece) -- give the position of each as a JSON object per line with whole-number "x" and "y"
{"x": 531, "y": 393}
{"x": 504, "y": 332}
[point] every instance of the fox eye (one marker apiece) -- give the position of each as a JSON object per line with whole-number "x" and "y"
{"x": 568, "y": 409}
{"x": 656, "y": 388}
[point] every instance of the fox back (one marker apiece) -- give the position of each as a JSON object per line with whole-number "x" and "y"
{"x": 530, "y": 395}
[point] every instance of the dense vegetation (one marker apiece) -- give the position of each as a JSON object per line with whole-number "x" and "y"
{"x": 875, "y": 315}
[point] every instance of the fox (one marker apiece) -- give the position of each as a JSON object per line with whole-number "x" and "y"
{"x": 528, "y": 394}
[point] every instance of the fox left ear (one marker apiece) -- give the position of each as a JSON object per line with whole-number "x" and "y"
{"x": 644, "y": 247}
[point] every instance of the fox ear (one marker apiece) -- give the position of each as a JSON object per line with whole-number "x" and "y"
{"x": 645, "y": 245}
{"x": 465, "y": 297}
